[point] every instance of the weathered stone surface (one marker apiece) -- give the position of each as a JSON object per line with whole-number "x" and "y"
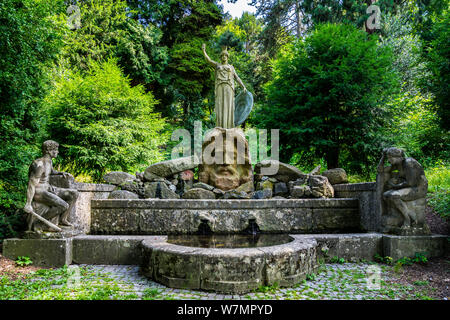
{"x": 170, "y": 167}
{"x": 233, "y": 194}
{"x": 150, "y": 177}
{"x": 199, "y": 193}
{"x": 280, "y": 189}
{"x": 135, "y": 186}
{"x": 275, "y": 167}
{"x": 262, "y": 194}
{"x": 43, "y": 253}
{"x": 107, "y": 249}
{"x": 123, "y": 194}
{"x": 368, "y": 206}
{"x": 282, "y": 178}
{"x": 298, "y": 192}
{"x": 320, "y": 187}
{"x": 352, "y": 247}
{"x": 226, "y": 159}
{"x": 81, "y": 217}
{"x": 398, "y": 247}
{"x": 219, "y": 193}
{"x": 266, "y": 184}
{"x": 150, "y": 190}
{"x": 117, "y": 177}
{"x": 187, "y": 175}
{"x": 228, "y": 270}
{"x": 247, "y": 187}
{"x": 167, "y": 193}
{"x": 316, "y": 170}
{"x": 159, "y": 190}
{"x": 336, "y": 176}
{"x": 203, "y": 186}
{"x": 161, "y": 216}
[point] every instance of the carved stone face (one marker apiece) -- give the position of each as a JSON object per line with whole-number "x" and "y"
{"x": 224, "y": 58}
{"x": 395, "y": 160}
{"x": 53, "y": 152}
{"x": 226, "y": 163}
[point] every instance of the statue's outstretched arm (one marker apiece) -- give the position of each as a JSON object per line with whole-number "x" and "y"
{"x": 208, "y": 59}
{"x": 381, "y": 168}
{"x": 36, "y": 171}
{"x": 239, "y": 80}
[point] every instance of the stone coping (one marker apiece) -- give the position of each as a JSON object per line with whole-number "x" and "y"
{"x": 298, "y": 242}
{"x": 93, "y": 187}
{"x": 223, "y": 204}
{"x": 363, "y": 186}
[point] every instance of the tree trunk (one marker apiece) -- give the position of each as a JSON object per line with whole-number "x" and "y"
{"x": 332, "y": 158}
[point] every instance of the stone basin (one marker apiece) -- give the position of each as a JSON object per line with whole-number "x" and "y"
{"x": 228, "y": 270}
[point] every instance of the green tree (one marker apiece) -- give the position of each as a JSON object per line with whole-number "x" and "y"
{"x": 439, "y": 65}
{"x": 185, "y": 25}
{"x": 108, "y": 31}
{"x": 414, "y": 125}
{"x": 29, "y": 43}
{"x": 102, "y": 123}
{"x": 327, "y": 94}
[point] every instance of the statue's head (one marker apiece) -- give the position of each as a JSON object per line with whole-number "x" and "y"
{"x": 395, "y": 155}
{"x": 226, "y": 160}
{"x": 50, "y": 147}
{"x": 224, "y": 55}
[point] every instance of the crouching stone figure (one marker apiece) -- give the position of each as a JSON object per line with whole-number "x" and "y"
{"x": 402, "y": 188}
{"x": 47, "y": 206}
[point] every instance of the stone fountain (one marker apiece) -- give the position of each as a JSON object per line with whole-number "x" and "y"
{"x": 237, "y": 226}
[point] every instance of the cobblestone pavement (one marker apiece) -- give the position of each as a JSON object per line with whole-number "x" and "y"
{"x": 333, "y": 281}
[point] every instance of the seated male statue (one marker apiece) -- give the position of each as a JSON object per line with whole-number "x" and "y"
{"x": 44, "y": 199}
{"x": 403, "y": 187}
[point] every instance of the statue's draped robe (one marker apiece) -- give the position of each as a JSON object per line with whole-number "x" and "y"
{"x": 224, "y": 96}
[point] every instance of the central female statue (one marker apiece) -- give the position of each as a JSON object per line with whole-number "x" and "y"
{"x": 224, "y": 89}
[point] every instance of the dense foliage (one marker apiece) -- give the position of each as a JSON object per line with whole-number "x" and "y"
{"x": 327, "y": 94}
{"x": 29, "y": 42}
{"x": 102, "y": 123}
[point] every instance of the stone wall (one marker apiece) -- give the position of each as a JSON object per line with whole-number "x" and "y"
{"x": 366, "y": 194}
{"x": 164, "y": 216}
{"x": 81, "y": 216}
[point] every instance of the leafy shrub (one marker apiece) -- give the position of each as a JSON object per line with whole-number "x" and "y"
{"x": 102, "y": 123}
{"x": 23, "y": 261}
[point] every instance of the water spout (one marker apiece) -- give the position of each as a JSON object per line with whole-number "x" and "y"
{"x": 252, "y": 227}
{"x": 204, "y": 228}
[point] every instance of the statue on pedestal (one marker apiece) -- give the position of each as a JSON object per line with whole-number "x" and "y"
{"x": 224, "y": 91}
{"x": 402, "y": 189}
{"x": 226, "y": 157}
{"x": 47, "y": 204}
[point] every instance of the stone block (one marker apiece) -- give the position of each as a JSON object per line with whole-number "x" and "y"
{"x": 398, "y": 247}
{"x": 107, "y": 249}
{"x": 43, "y": 253}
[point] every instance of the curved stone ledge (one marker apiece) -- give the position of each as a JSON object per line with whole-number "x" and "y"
{"x": 156, "y": 217}
{"x": 228, "y": 270}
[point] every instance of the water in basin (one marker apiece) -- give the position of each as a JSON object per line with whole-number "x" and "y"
{"x": 229, "y": 240}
